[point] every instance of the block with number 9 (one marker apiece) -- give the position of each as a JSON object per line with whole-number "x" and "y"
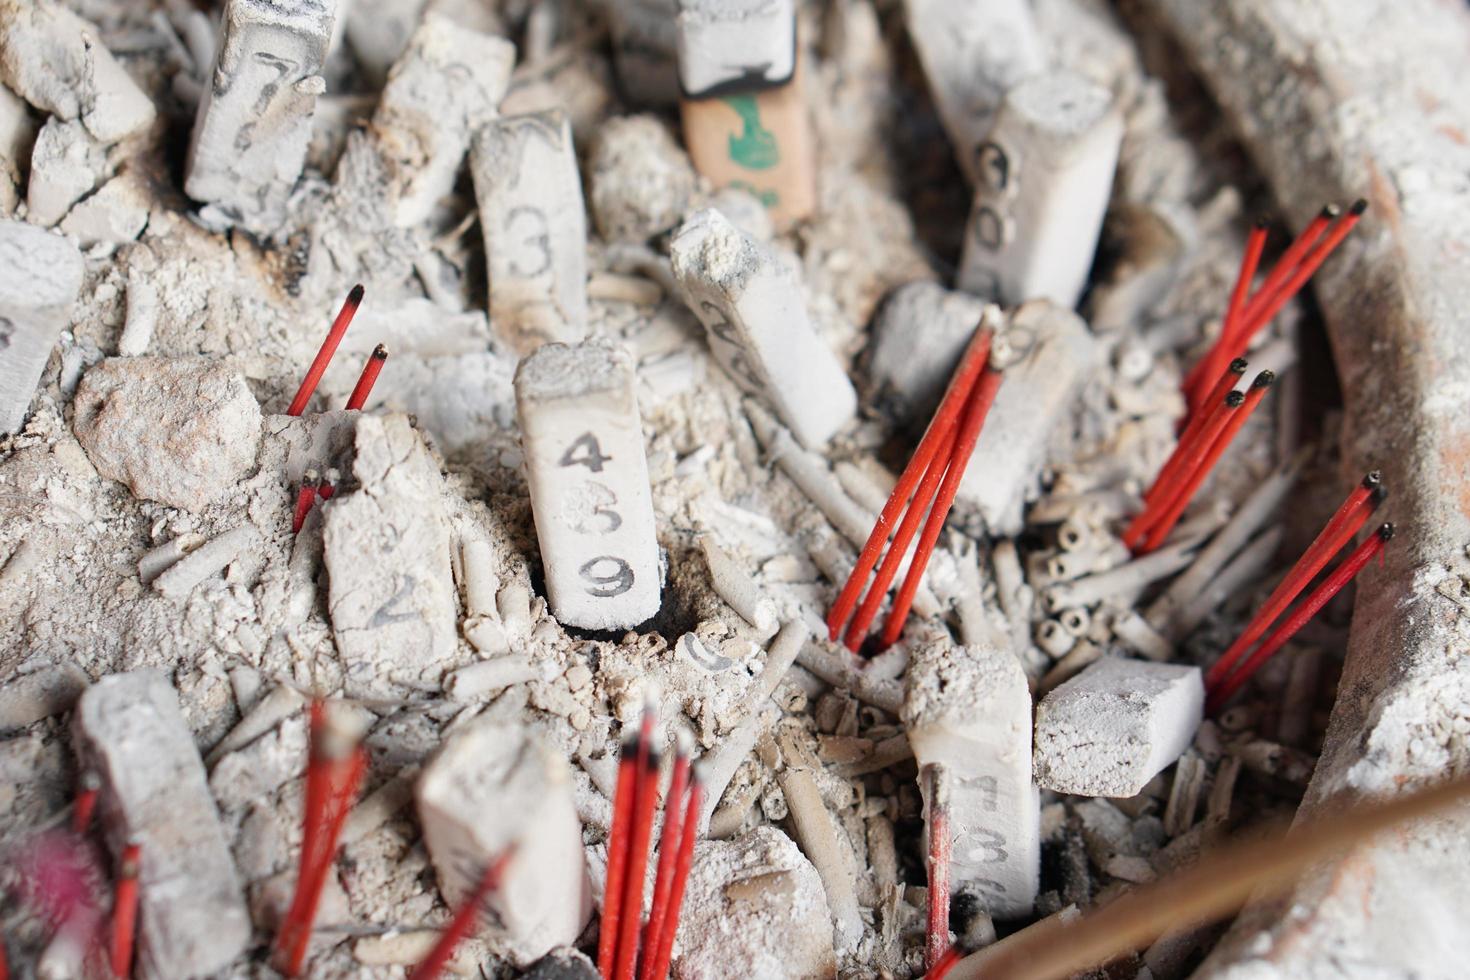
{"x": 588, "y": 475}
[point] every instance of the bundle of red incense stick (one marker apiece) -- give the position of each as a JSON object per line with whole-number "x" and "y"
{"x": 334, "y": 771}
{"x": 624, "y": 951}
{"x": 928, "y": 485}
{"x": 1248, "y": 312}
{"x": 1230, "y": 673}
{"x": 1200, "y": 447}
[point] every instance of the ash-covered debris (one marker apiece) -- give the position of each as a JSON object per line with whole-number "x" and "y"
{"x": 493, "y": 589}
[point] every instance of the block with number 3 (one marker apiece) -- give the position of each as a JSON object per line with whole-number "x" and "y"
{"x": 535, "y": 227}
{"x": 588, "y": 475}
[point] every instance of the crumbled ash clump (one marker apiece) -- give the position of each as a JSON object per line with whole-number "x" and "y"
{"x": 149, "y": 496}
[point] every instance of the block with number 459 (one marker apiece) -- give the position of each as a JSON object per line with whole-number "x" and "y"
{"x": 588, "y": 475}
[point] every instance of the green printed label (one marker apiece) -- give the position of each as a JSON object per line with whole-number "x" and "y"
{"x": 755, "y": 147}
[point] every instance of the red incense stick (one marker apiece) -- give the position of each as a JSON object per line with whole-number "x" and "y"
{"x": 1175, "y": 509}
{"x": 125, "y": 912}
{"x": 663, "y": 955}
{"x": 946, "y": 417}
{"x": 464, "y": 919}
{"x": 668, "y": 849}
{"x": 369, "y": 376}
{"x": 644, "y": 806}
{"x": 324, "y": 354}
{"x": 979, "y": 407}
{"x": 1350, "y": 516}
{"x": 937, "y": 930}
{"x": 1224, "y": 690}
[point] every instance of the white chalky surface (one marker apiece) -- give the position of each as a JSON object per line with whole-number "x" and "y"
{"x": 1054, "y": 356}
{"x": 754, "y": 309}
{"x": 733, "y": 46}
{"x": 244, "y": 619}
{"x": 972, "y": 55}
{"x": 968, "y": 708}
{"x": 535, "y": 227}
{"x": 53, "y": 59}
{"x": 444, "y": 86}
{"x": 183, "y": 432}
{"x": 254, "y": 122}
{"x": 754, "y": 907}
{"x": 1044, "y": 176}
{"x": 40, "y": 275}
{"x": 1116, "y": 725}
{"x": 494, "y": 787}
{"x": 387, "y": 559}
{"x": 588, "y": 476}
{"x": 191, "y": 910}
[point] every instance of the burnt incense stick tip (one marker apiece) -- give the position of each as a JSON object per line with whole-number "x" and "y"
{"x": 1239, "y": 365}
{"x": 1330, "y": 211}
{"x": 1234, "y": 399}
{"x": 1372, "y": 480}
{"x": 1385, "y": 532}
{"x": 380, "y": 353}
{"x": 1261, "y": 222}
{"x": 1264, "y": 380}
{"x": 1359, "y": 206}
{"x": 354, "y": 297}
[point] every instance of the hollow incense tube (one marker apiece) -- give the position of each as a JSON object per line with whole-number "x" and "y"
{"x": 433, "y": 964}
{"x": 644, "y": 806}
{"x": 1225, "y": 689}
{"x": 981, "y": 400}
{"x": 745, "y": 122}
{"x": 930, "y": 446}
{"x": 663, "y": 955}
{"x": 125, "y": 912}
{"x": 668, "y": 850}
{"x": 328, "y": 348}
{"x": 1175, "y": 509}
{"x": 1351, "y": 515}
{"x": 937, "y": 929}
{"x": 368, "y": 378}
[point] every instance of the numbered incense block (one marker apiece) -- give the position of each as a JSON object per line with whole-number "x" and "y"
{"x": 390, "y": 594}
{"x": 535, "y": 227}
{"x": 968, "y": 708}
{"x": 751, "y": 304}
{"x": 585, "y": 463}
{"x": 40, "y": 275}
{"x": 972, "y": 54}
{"x": 758, "y": 141}
{"x": 735, "y": 46}
{"x": 1045, "y": 173}
{"x": 254, "y": 122}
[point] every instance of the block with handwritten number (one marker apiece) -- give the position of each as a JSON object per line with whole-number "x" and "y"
{"x": 535, "y": 228}
{"x": 588, "y": 474}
